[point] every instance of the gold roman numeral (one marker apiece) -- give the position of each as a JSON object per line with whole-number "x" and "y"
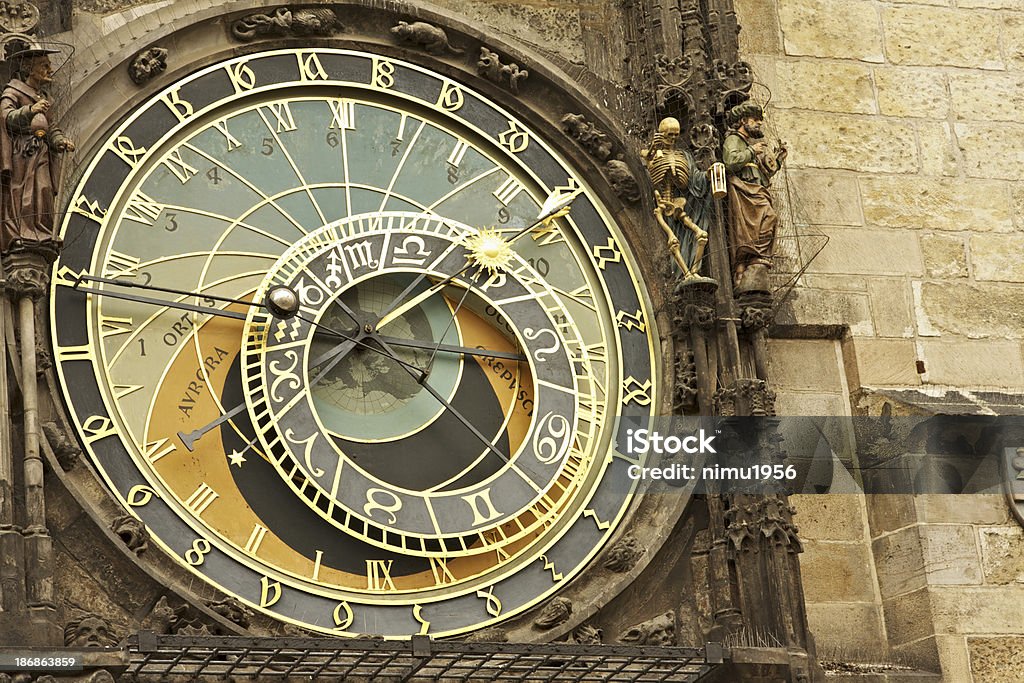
{"x": 201, "y": 499}
{"x": 111, "y": 325}
{"x": 508, "y": 191}
{"x": 343, "y": 114}
{"x": 142, "y": 208}
{"x": 442, "y": 575}
{"x": 282, "y": 113}
{"x": 378, "y": 575}
{"x": 181, "y": 169}
{"x": 154, "y": 450}
{"x": 255, "y": 539}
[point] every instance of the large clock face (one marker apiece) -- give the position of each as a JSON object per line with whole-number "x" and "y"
{"x": 424, "y": 441}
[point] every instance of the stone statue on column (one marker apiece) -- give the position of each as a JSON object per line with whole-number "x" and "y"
{"x": 682, "y": 197}
{"x": 29, "y": 145}
{"x": 750, "y": 162}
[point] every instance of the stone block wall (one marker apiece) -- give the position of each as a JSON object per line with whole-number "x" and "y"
{"x": 906, "y": 129}
{"x": 905, "y": 123}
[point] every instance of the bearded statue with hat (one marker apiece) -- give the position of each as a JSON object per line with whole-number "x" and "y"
{"x": 29, "y": 140}
{"x": 750, "y": 163}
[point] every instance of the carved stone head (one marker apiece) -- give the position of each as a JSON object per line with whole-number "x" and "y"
{"x": 89, "y": 630}
{"x": 659, "y": 631}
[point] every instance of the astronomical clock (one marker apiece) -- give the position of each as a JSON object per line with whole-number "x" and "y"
{"x": 353, "y": 340}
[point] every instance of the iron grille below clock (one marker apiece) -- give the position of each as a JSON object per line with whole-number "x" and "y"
{"x": 420, "y": 659}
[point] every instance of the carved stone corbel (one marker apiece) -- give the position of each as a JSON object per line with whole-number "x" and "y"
{"x": 589, "y": 137}
{"x": 432, "y": 39}
{"x": 161, "y": 618}
{"x": 622, "y": 180}
{"x": 147, "y": 65}
{"x": 89, "y": 630}
{"x": 490, "y": 67}
{"x": 493, "y": 634}
{"x": 659, "y": 631}
{"x": 585, "y": 634}
{"x": 133, "y": 532}
{"x": 286, "y": 22}
{"x": 556, "y": 612}
{"x": 623, "y": 555}
{"x": 64, "y": 447}
{"x": 232, "y": 610}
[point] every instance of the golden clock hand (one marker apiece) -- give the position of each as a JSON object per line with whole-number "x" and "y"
{"x": 451, "y": 321}
{"x": 555, "y": 206}
{"x": 418, "y": 299}
{"x": 468, "y": 350}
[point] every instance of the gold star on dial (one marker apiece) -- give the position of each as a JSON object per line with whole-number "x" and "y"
{"x": 236, "y": 458}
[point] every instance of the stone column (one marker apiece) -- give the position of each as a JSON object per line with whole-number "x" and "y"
{"x": 27, "y": 279}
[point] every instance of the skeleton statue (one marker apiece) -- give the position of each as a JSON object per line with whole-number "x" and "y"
{"x": 682, "y": 197}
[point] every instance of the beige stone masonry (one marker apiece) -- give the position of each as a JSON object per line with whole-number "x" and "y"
{"x": 1002, "y": 551}
{"x": 870, "y": 252}
{"x": 987, "y": 96}
{"x": 981, "y": 609}
{"x": 945, "y": 256}
{"x": 852, "y": 629}
{"x": 830, "y": 517}
{"x": 996, "y": 660}
{"x": 805, "y": 363}
{"x": 828, "y": 198}
{"x": 994, "y": 364}
{"x": 941, "y": 36}
{"x": 899, "y": 562}
{"x": 981, "y": 508}
{"x": 911, "y": 92}
{"x": 939, "y": 153}
{"x": 836, "y": 571}
{"x": 935, "y": 203}
{"x": 821, "y": 28}
{"x": 990, "y": 309}
{"x": 908, "y": 617}
{"x": 891, "y": 307}
{"x": 832, "y": 307}
{"x": 811, "y": 403}
{"x": 992, "y": 150}
{"x": 1012, "y": 37}
{"x": 951, "y": 555}
{"x": 1017, "y": 201}
{"x": 998, "y": 257}
{"x": 844, "y": 141}
{"x": 850, "y": 90}
{"x": 886, "y": 362}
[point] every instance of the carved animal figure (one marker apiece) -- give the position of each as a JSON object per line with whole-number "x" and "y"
{"x": 433, "y": 39}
